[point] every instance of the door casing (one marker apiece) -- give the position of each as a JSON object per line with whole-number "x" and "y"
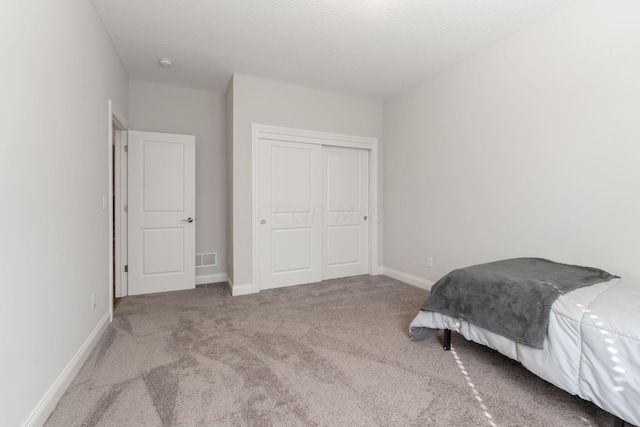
{"x": 119, "y": 212}
{"x": 117, "y": 123}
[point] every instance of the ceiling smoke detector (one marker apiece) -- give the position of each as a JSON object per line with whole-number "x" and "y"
{"x": 165, "y": 62}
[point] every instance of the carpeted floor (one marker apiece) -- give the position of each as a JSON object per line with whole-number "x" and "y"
{"x": 335, "y": 353}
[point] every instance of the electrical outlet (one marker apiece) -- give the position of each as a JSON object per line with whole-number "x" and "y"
{"x": 93, "y": 300}
{"x": 430, "y": 262}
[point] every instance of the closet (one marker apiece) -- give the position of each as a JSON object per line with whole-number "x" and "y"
{"x": 312, "y": 209}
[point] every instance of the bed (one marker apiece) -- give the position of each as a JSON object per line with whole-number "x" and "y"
{"x": 591, "y": 342}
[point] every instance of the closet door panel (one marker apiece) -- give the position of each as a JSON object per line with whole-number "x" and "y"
{"x": 289, "y": 213}
{"x": 345, "y": 202}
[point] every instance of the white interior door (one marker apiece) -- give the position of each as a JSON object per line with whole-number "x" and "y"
{"x": 289, "y": 213}
{"x": 161, "y": 211}
{"x": 346, "y": 202}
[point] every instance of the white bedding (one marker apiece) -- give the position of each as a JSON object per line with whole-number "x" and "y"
{"x": 592, "y": 348}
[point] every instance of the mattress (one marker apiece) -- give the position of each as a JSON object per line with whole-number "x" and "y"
{"x": 592, "y": 347}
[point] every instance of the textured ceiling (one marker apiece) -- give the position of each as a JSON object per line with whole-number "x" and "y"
{"x": 368, "y": 48}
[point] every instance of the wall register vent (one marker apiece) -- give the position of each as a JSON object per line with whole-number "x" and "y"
{"x": 206, "y": 260}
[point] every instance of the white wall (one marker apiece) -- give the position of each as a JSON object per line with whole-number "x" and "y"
{"x": 270, "y": 103}
{"x": 170, "y": 109}
{"x": 528, "y": 148}
{"x": 59, "y": 71}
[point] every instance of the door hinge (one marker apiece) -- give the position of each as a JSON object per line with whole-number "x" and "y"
{"x": 126, "y": 208}
{"x": 126, "y": 268}
{"x": 126, "y": 148}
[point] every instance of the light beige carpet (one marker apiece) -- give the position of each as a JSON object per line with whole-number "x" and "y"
{"x": 335, "y": 353}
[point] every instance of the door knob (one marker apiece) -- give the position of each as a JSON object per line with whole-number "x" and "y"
{"x": 365, "y": 217}
{"x": 189, "y": 220}
{"x": 263, "y": 222}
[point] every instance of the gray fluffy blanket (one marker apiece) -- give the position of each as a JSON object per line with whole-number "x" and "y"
{"x": 512, "y": 297}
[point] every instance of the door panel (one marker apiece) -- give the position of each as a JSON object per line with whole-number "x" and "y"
{"x": 289, "y": 213}
{"x": 161, "y": 200}
{"x": 343, "y": 244}
{"x": 346, "y": 198}
{"x": 170, "y": 258}
{"x": 291, "y": 249}
{"x": 291, "y": 178}
{"x": 163, "y": 174}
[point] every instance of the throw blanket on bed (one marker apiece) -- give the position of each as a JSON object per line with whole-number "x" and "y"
{"x": 511, "y": 297}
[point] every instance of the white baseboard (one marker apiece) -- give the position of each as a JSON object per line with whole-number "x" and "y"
{"x": 408, "y": 278}
{"x": 248, "y": 288}
{"x": 245, "y": 289}
{"x": 45, "y": 406}
{"x": 230, "y": 285}
{"x": 211, "y": 278}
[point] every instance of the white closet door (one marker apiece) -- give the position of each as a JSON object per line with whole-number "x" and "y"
{"x": 346, "y": 201}
{"x": 289, "y": 213}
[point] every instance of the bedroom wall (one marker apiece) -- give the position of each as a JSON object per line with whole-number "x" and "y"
{"x": 271, "y": 103}
{"x": 528, "y": 148}
{"x": 170, "y": 109}
{"x": 59, "y": 71}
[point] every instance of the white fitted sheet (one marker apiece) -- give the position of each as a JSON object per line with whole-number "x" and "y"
{"x": 592, "y": 348}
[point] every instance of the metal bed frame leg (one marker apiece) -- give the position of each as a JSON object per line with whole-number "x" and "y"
{"x": 619, "y": 422}
{"x": 447, "y": 346}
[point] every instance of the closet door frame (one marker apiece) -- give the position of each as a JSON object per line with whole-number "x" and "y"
{"x": 268, "y": 133}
